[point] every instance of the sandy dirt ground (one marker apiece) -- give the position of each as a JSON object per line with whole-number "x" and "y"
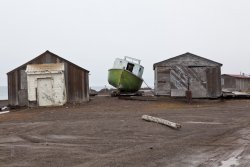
{"x": 110, "y": 132}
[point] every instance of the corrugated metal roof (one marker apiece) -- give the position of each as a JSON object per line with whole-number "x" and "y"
{"x": 237, "y": 76}
{"x": 45, "y": 68}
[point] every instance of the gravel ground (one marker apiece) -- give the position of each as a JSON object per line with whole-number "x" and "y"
{"x": 3, "y": 103}
{"x": 110, "y": 132}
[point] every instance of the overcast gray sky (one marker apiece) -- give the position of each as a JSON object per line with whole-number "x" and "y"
{"x": 92, "y": 33}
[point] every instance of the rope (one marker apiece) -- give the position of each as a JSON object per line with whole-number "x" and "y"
{"x": 148, "y": 87}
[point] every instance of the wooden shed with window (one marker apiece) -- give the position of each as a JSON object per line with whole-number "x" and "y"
{"x": 174, "y": 76}
{"x": 48, "y": 80}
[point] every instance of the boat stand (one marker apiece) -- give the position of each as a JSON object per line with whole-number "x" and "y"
{"x": 117, "y": 93}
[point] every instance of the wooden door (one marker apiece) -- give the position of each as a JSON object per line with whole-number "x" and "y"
{"x": 162, "y": 81}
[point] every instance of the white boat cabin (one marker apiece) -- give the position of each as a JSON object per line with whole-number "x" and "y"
{"x": 130, "y": 64}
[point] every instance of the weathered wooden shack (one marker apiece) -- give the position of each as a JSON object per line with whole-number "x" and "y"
{"x": 26, "y": 84}
{"x": 174, "y": 76}
{"x": 233, "y": 82}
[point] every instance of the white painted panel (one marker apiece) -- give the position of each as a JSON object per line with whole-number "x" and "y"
{"x": 44, "y": 92}
{"x": 59, "y": 89}
{"x": 44, "y": 68}
{"x": 138, "y": 70}
{"x": 32, "y": 85}
{"x": 42, "y": 82}
{"x": 120, "y": 64}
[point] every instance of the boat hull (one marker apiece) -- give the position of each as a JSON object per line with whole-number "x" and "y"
{"x": 124, "y": 80}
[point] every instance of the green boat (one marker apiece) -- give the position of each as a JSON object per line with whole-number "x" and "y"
{"x": 126, "y": 75}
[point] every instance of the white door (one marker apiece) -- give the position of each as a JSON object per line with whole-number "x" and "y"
{"x": 45, "y": 92}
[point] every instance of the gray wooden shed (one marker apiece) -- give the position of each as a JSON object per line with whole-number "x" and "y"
{"x": 76, "y": 80}
{"x": 232, "y": 82}
{"x": 172, "y": 77}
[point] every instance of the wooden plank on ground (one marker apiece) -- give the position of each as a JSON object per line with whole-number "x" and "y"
{"x": 161, "y": 121}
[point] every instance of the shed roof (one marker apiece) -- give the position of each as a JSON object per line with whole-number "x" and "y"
{"x": 48, "y": 52}
{"x": 184, "y": 55}
{"x": 237, "y": 76}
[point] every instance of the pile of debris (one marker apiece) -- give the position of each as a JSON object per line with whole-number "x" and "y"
{"x": 147, "y": 91}
{"x": 92, "y": 92}
{"x": 235, "y": 94}
{"x": 104, "y": 91}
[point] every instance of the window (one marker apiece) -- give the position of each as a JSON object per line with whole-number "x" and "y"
{"x": 130, "y": 67}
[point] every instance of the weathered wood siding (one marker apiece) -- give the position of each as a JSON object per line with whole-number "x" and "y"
{"x": 13, "y": 88}
{"x": 228, "y": 83}
{"x": 77, "y": 84}
{"x": 243, "y": 84}
{"x": 235, "y": 84}
{"x": 162, "y": 81}
{"x": 213, "y": 75}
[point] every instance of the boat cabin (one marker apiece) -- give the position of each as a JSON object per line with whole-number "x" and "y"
{"x": 129, "y": 64}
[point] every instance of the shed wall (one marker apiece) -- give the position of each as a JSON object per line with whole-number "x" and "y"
{"x": 77, "y": 84}
{"x": 13, "y": 88}
{"x": 235, "y": 84}
{"x": 243, "y": 84}
{"x": 229, "y": 83}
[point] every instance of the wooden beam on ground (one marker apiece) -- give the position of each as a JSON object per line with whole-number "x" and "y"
{"x": 4, "y": 112}
{"x": 161, "y": 121}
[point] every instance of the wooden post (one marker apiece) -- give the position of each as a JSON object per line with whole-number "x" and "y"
{"x": 161, "y": 121}
{"x": 188, "y": 92}
{"x": 189, "y": 96}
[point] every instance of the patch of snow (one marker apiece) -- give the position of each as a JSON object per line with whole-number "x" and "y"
{"x": 230, "y": 162}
